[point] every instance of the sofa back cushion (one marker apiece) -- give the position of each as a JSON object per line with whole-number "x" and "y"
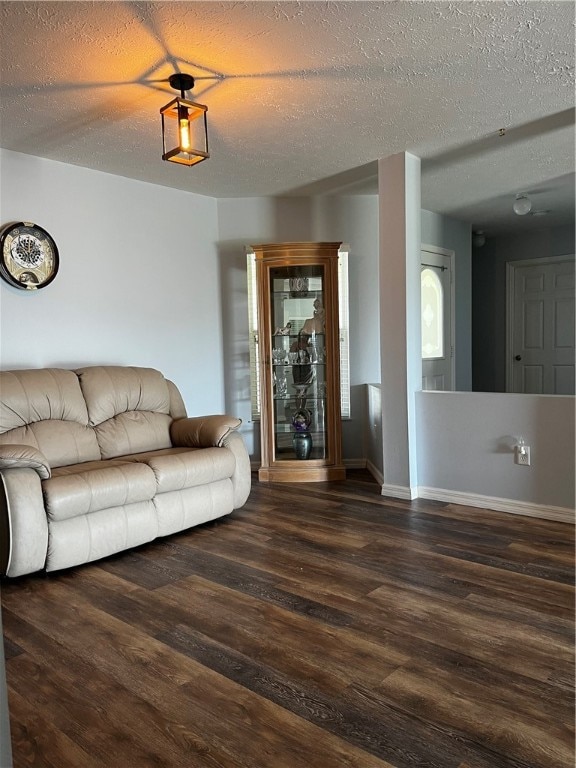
{"x": 45, "y": 408}
{"x": 128, "y": 407}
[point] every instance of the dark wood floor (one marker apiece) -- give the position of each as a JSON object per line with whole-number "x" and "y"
{"x": 322, "y": 626}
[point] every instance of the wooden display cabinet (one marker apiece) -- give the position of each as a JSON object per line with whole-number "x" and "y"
{"x": 298, "y": 350}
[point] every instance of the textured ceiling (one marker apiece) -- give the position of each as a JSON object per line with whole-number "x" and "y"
{"x": 305, "y": 96}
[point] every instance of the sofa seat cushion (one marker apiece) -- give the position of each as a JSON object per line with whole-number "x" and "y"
{"x": 179, "y": 468}
{"x": 85, "y": 488}
{"x": 100, "y": 534}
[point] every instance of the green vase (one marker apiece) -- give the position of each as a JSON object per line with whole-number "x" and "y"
{"x": 302, "y": 442}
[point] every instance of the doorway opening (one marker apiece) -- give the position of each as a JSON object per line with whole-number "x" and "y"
{"x": 437, "y": 318}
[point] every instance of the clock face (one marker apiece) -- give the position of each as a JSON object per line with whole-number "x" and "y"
{"x": 28, "y": 256}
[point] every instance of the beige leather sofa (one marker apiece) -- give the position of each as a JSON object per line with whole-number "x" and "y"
{"x": 100, "y": 459}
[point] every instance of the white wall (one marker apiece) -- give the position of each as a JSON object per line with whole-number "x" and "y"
{"x": 466, "y": 444}
{"x": 243, "y": 222}
{"x": 400, "y": 342}
{"x": 374, "y": 450}
{"x": 138, "y": 281}
{"x": 354, "y": 220}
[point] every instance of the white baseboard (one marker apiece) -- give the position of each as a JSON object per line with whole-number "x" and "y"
{"x": 399, "y": 492}
{"x": 545, "y": 512}
{"x": 375, "y": 472}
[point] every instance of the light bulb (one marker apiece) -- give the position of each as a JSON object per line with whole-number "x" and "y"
{"x": 184, "y": 128}
{"x": 522, "y": 205}
{"x": 184, "y": 135}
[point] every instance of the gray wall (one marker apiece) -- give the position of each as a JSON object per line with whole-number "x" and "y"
{"x": 465, "y": 439}
{"x": 466, "y": 445}
{"x": 489, "y": 297}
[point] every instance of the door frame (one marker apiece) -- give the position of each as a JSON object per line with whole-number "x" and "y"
{"x": 511, "y": 267}
{"x": 451, "y": 255}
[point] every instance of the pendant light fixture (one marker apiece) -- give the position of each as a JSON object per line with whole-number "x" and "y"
{"x": 184, "y": 126}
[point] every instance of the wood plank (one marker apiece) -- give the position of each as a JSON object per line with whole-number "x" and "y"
{"x": 321, "y": 626}
{"x": 38, "y": 742}
{"x": 508, "y": 726}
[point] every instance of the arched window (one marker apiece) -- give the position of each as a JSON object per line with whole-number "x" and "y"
{"x": 432, "y": 315}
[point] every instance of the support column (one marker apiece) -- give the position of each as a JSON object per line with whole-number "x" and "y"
{"x": 400, "y": 343}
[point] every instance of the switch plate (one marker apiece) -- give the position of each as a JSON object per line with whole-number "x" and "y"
{"x": 522, "y": 456}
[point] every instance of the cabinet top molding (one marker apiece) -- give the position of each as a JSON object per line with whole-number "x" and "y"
{"x": 304, "y": 246}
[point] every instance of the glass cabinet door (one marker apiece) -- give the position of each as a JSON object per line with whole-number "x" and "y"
{"x": 298, "y": 359}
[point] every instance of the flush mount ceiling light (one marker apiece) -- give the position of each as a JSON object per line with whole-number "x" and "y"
{"x": 522, "y": 205}
{"x": 478, "y": 239}
{"x": 184, "y": 126}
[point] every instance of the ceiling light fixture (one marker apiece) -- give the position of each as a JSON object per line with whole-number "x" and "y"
{"x": 522, "y": 205}
{"x": 478, "y": 239}
{"x": 186, "y": 122}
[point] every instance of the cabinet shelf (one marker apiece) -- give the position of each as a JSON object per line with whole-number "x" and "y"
{"x": 294, "y": 398}
{"x": 297, "y": 365}
{"x": 294, "y": 336}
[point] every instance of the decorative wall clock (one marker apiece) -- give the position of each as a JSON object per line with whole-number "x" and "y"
{"x": 28, "y": 256}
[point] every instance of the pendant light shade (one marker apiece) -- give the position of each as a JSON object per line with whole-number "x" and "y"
{"x": 184, "y": 126}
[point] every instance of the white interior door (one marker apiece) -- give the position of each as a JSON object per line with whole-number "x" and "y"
{"x": 436, "y": 318}
{"x": 541, "y": 326}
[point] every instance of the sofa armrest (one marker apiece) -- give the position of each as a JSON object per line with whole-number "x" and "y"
{"x": 242, "y": 477}
{"x": 24, "y": 519}
{"x": 202, "y": 431}
{"x": 24, "y": 457}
